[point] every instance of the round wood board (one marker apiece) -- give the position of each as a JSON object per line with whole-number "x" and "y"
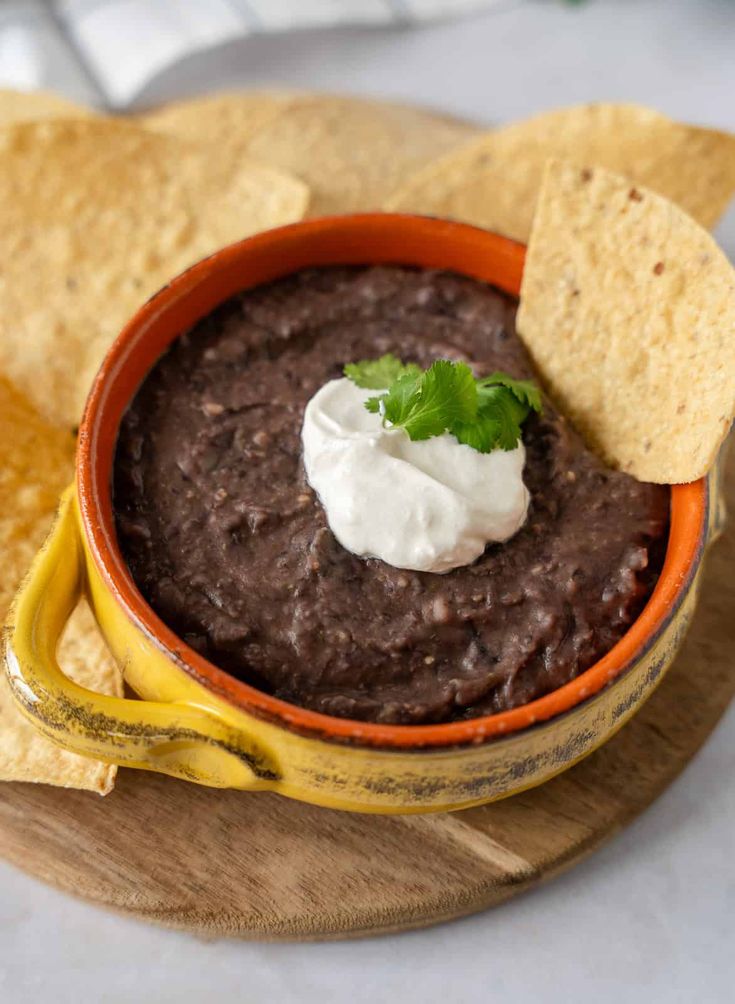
{"x": 261, "y": 866}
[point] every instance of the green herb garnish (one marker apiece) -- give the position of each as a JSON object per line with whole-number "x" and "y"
{"x": 485, "y": 414}
{"x": 377, "y": 374}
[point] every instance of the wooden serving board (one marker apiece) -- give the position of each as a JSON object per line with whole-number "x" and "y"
{"x": 260, "y": 866}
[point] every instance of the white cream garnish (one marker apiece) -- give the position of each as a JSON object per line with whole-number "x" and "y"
{"x": 431, "y": 505}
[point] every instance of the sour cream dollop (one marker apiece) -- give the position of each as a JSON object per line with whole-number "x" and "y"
{"x": 430, "y": 506}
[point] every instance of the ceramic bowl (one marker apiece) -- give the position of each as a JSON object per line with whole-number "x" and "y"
{"x": 197, "y": 722}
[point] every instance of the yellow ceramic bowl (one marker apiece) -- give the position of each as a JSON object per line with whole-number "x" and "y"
{"x": 195, "y": 721}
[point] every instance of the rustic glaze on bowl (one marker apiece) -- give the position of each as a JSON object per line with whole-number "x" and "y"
{"x": 197, "y": 722}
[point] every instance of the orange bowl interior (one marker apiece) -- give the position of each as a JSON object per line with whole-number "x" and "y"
{"x": 359, "y": 239}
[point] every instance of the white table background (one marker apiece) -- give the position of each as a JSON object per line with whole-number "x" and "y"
{"x": 648, "y": 918}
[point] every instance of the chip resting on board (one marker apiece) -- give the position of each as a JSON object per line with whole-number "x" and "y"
{"x": 493, "y": 180}
{"x": 628, "y": 309}
{"x": 225, "y": 121}
{"x": 95, "y": 216}
{"x": 352, "y": 153}
{"x": 36, "y": 464}
{"x": 29, "y": 106}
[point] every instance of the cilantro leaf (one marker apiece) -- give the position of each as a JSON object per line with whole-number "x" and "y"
{"x": 400, "y": 400}
{"x": 525, "y": 391}
{"x": 444, "y": 394}
{"x": 482, "y": 434}
{"x": 380, "y": 374}
{"x": 485, "y": 414}
{"x": 498, "y": 424}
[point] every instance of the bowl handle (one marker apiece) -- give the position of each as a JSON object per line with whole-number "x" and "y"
{"x": 173, "y": 738}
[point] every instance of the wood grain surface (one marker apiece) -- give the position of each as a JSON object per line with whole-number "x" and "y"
{"x": 260, "y": 866}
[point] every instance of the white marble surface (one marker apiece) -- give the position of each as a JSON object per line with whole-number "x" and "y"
{"x": 649, "y": 918}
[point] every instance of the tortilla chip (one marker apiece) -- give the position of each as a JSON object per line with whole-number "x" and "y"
{"x": 95, "y": 216}
{"x": 628, "y": 310}
{"x": 36, "y": 464}
{"x": 29, "y": 106}
{"x": 352, "y": 153}
{"x": 493, "y": 181}
{"x": 223, "y": 121}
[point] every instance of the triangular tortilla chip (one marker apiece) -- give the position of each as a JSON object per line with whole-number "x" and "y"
{"x": 36, "y": 464}
{"x": 352, "y": 153}
{"x": 628, "y": 309}
{"x": 222, "y": 121}
{"x": 30, "y": 106}
{"x": 493, "y": 181}
{"x": 95, "y": 216}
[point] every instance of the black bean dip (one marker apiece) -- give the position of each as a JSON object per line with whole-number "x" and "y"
{"x": 231, "y": 548}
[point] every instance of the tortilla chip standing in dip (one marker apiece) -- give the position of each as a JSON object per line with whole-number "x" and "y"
{"x": 628, "y": 310}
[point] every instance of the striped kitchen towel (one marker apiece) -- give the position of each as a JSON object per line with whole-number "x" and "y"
{"x": 109, "y": 50}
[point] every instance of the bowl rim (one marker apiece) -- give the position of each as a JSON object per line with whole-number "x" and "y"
{"x": 366, "y": 238}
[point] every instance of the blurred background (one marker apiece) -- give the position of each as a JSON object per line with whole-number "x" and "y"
{"x": 487, "y": 59}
